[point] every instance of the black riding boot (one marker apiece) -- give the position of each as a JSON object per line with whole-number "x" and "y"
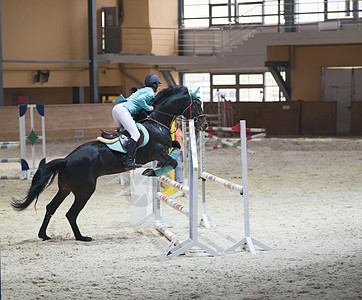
{"x": 130, "y": 163}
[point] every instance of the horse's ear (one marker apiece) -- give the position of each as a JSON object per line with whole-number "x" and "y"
{"x": 195, "y": 93}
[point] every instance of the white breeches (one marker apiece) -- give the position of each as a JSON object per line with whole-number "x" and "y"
{"x": 123, "y": 117}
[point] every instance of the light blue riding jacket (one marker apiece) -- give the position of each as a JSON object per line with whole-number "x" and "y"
{"x": 139, "y": 100}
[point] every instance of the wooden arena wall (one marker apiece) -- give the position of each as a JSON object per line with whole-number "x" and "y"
{"x": 64, "y": 122}
{"x": 292, "y": 118}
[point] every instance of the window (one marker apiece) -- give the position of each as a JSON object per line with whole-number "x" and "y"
{"x": 196, "y": 13}
{"x": 224, "y": 94}
{"x": 251, "y": 94}
{"x": 219, "y": 15}
{"x": 255, "y": 87}
{"x": 251, "y": 87}
{"x": 251, "y": 79}
{"x": 202, "y": 80}
{"x": 271, "y": 88}
{"x": 202, "y": 13}
{"x": 250, "y": 12}
{"x": 310, "y": 11}
{"x": 223, "y": 79}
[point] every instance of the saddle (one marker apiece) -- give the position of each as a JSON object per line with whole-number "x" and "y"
{"x": 115, "y": 135}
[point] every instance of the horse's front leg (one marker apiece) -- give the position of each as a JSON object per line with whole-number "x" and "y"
{"x": 166, "y": 162}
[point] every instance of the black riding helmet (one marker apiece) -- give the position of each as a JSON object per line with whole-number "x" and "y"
{"x": 152, "y": 80}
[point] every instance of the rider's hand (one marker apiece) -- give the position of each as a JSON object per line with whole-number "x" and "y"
{"x": 151, "y": 108}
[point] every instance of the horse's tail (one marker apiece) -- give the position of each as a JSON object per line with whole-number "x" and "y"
{"x": 46, "y": 173}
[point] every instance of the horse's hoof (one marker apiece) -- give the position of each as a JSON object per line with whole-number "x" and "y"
{"x": 84, "y": 239}
{"x": 149, "y": 172}
{"x": 44, "y": 237}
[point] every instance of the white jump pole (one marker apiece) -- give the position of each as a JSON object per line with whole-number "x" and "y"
{"x": 185, "y": 168}
{"x": 230, "y": 129}
{"x": 247, "y": 240}
{"x": 204, "y": 218}
{"x": 192, "y": 241}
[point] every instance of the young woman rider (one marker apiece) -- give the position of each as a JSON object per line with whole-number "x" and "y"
{"x": 124, "y": 112}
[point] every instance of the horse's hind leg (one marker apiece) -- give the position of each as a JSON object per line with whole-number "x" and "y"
{"x": 50, "y": 210}
{"x": 81, "y": 199}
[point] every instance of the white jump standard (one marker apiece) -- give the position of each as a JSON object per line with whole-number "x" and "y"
{"x": 26, "y": 172}
{"x": 192, "y": 241}
{"x": 178, "y": 248}
{"x": 242, "y": 189}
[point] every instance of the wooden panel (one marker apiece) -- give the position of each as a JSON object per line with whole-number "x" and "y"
{"x": 319, "y": 118}
{"x": 63, "y": 120}
{"x": 279, "y": 118}
{"x": 9, "y": 124}
{"x": 282, "y": 118}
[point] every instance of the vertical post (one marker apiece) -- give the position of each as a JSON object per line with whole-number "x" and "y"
{"x": 244, "y": 168}
{"x": 156, "y": 208}
{"x": 204, "y": 220}
{"x": 202, "y": 167}
{"x": 219, "y": 109}
{"x": 92, "y": 40}
{"x": 185, "y": 153}
{"x": 22, "y": 140}
{"x": 193, "y": 194}
{"x": 32, "y": 130}
{"x": 247, "y": 240}
{"x": 43, "y": 131}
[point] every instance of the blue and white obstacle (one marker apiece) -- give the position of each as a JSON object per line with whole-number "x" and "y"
{"x": 26, "y": 171}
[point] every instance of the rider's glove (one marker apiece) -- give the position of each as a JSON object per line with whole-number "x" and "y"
{"x": 151, "y": 108}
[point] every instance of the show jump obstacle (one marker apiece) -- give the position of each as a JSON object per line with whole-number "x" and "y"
{"x": 177, "y": 246}
{"x": 26, "y": 171}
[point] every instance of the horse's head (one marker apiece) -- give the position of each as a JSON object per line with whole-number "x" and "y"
{"x": 195, "y": 111}
{"x": 179, "y": 100}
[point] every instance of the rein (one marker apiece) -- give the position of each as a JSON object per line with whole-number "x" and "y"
{"x": 157, "y": 122}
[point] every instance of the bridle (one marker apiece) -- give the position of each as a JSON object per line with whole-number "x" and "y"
{"x": 189, "y": 107}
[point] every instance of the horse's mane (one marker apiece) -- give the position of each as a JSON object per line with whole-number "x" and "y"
{"x": 167, "y": 93}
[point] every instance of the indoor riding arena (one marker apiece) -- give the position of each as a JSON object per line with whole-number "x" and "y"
{"x": 269, "y": 205}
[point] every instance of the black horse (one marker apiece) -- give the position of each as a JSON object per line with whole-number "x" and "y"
{"x": 78, "y": 172}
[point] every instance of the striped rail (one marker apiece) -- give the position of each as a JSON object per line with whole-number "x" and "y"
{"x": 224, "y": 141}
{"x": 4, "y": 177}
{"x": 10, "y": 160}
{"x": 230, "y": 129}
{"x": 225, "y": 183}
{"x": 162, "y": 228}
{"x": 258, "y": 135}
{"x": 176, "y": 185}
{"x": 177, "y": 206}
{"x": 7, "y": 145}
